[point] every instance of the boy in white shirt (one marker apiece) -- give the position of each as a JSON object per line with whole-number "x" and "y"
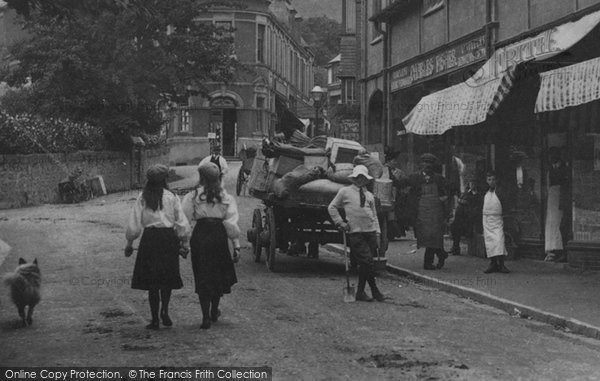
{"x": 362, "y": 227}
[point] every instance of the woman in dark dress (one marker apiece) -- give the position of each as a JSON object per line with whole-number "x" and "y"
{"x": 216, "y": 216}
{"x": 158, "y": 213}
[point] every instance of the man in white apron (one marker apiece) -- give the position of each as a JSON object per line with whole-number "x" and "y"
{"x": 493, "y": 227}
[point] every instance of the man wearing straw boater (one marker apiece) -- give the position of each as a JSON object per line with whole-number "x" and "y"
{"x": 362, "y": 227}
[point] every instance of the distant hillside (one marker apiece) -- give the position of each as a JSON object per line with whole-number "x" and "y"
{"x": 317, "y": 8}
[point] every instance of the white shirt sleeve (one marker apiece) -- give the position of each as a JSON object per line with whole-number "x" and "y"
{"x": 231, "y": 220}
{"x": 336, "y": 204}
{"x": 182, "y": 225}
{"x": 134, "y": 224}
{"x": 224, "y": 166}
{"x": 187, "y": 206}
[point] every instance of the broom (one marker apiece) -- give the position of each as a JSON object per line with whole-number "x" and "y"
{"x": 349, "y": 291}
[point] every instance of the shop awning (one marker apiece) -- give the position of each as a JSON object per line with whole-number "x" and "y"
{"x": 470, "y": 102}
{"x": 569, "y": 86}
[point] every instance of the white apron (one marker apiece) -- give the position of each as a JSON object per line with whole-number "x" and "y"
{"x": 553, "y": 238}
{"x": 493, "y": 226}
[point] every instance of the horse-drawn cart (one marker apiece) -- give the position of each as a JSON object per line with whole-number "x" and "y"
{"x": 299, "y": 219}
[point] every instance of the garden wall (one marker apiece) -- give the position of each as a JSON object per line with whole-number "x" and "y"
{"x": 33, "y": 179}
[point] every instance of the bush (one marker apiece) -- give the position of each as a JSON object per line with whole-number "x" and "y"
{"x": 27, "y": 134}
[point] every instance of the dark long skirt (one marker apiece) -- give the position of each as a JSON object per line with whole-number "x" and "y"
{"x": 157, "y": 261}
{"x": 214, "y": 272}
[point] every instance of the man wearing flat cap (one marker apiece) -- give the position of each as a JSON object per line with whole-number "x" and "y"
{"x": 426, "y": 199}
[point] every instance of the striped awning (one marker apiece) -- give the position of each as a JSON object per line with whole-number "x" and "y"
{"x": 472, "y": 101}
{"x": 569, "y": 86}
{"x": 464, "y": 104}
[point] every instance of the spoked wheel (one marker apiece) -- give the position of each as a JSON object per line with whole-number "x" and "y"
{"x": 258, "y": 228}
{"x": 241, "y": 178}
{"x": 272, "y": 229}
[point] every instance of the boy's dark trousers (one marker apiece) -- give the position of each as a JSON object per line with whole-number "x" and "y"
{"x": 362, "y": 248}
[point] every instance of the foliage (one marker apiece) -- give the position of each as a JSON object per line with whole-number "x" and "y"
{"x": 108, "y": 62}
{"x": 26, "y": 134}
{"x": 323, "y": 35}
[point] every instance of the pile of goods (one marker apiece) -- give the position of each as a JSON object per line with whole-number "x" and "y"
{"x": 312, "y": 171}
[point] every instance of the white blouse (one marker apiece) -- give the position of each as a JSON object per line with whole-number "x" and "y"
{"x": 195, "y": 209}
{"x": 171, "y": 215}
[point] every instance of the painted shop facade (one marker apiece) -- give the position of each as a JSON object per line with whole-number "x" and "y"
{"x": 507, "y": 85}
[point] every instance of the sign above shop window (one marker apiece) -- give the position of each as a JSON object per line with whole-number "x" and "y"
{"x": 444, "y": 61}
{"x": 431, "y": 6}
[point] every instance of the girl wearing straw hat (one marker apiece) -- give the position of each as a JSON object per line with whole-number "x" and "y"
{"x": 158, "y": 213}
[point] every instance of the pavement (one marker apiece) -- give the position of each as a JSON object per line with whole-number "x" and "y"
{"x": 552, "y": 293}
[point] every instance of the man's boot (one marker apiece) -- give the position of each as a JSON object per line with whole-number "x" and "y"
{"x": 377, "y": 295}
{"x": 493, "y": 268}
{"x": 361, "y": 295}
{"x": 501, "y": 268}
{"x": 442, "y": 256}
{"x": 428, "y": 260}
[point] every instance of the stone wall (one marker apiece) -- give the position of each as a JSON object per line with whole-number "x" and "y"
{"x": 27, "y": 180}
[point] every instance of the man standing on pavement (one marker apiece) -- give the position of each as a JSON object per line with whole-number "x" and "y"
{"x": 493, "y": 225}
{"x": 427, "y": 197}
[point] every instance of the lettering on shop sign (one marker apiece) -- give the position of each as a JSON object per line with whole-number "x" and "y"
{"x": 449, "y": 59}
{"x": 524, "y": 50}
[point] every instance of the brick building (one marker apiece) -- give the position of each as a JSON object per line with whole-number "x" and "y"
{"x": 499, "y": 84}
{"x": 279, "y": 79}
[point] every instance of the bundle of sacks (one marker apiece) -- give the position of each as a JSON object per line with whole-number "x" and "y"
{"x": 318, "y": 185}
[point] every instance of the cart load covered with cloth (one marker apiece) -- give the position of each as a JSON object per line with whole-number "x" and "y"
{"x": 296, "y": 185}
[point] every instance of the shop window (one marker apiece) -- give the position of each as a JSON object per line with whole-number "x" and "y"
{"x": 586, "y": 182}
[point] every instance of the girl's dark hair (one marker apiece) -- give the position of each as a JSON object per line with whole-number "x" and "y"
{"x": 212, "y": 189}
{"x": 152, "y": 194}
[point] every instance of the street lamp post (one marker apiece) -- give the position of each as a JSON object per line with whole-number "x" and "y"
{"x": 317, "y": 95}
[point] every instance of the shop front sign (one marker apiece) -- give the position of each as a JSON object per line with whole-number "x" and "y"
{"x": 452, "y": 58}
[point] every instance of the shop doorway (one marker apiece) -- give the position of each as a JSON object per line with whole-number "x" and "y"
{"x": 558, "y": 206}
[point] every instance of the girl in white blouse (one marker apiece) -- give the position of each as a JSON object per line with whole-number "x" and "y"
{"x": 158, "y": 213}
{"x": 216, "y": 216}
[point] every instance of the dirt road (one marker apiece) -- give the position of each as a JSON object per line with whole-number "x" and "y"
{"x": 294, "y": 321}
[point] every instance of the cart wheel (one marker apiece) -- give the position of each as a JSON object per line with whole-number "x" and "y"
{"x": 257, "y": 226}
{"x": 272, "y": 249}
{"x": 240, "y": 181}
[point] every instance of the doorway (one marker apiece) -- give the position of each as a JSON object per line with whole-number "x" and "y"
{"x": 229, "y": 132}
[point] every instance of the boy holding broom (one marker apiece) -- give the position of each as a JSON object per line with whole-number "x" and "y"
{"x": 362, "y": 228}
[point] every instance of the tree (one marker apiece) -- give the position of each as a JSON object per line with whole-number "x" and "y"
{"x": 108, "y": 62}
{"x": 323, "y": 35}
